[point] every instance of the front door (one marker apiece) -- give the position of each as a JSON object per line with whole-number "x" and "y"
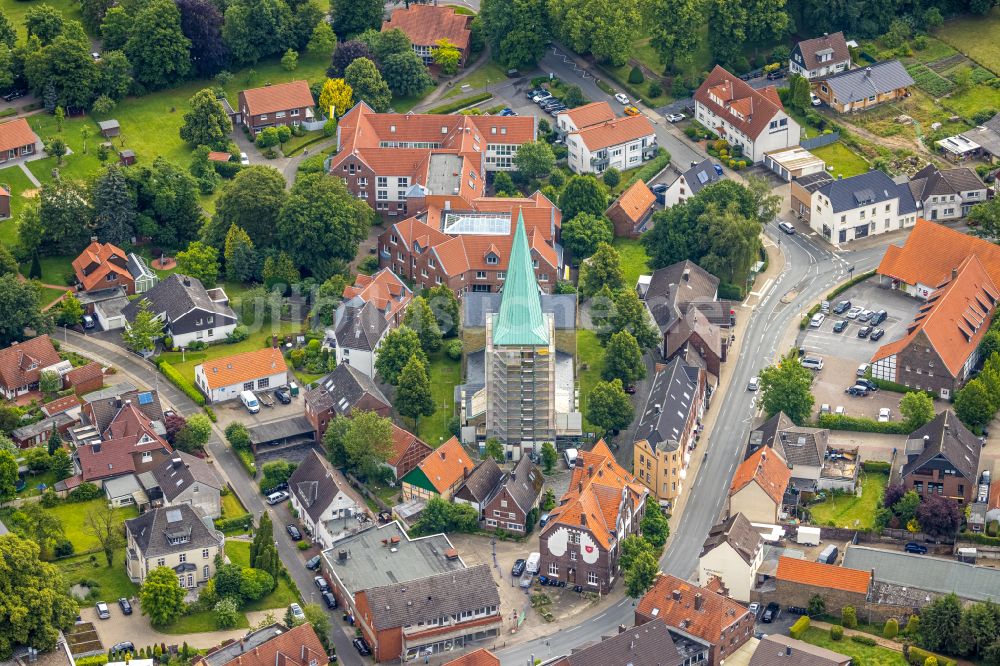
{"x": 934, "y": 214}
{"x": 571, "y": 576}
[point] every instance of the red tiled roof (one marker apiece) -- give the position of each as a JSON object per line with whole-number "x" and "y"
{"x": 724, "y": 93}
{"x": 245, "y": 367}
{"x": 481, "y": 657}
{"x": 994, "y": 500}
{"x": 954, "y": 318}
{"x": 98, "y": 261}
{"x": 384, "y": 289}
{"x": 401, "y": 442}
{"x": 615, "y": 132}
{"x": 766, "y": 468}
{"x": 15, "y": 134}
{"x": 425, "y": 24}
{"x": 21, "y": 363}
{"x": 299, "y": 646}
{"x": 817, "y": 574}
{"x": 636, "y": 201}
{"x": 280, "y": 97}
{"x": 446, "y": 465}
{"x": 931, "y": 252}
{"x": 590, "y": 114}
{"x": 130, "y": 432}
{"x": 84, "y": 374}
{"x": 716, "y": 614}
{"x": 68, "y": 402}
{"x": 219, "y": 156}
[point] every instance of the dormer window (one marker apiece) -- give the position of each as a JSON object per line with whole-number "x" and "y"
{"x": 492, "y": 259}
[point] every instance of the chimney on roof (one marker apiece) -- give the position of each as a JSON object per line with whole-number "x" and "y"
{"x": 788, "y": 650}
{"x": 699, "y": 601}
{"x": 686, "y": 275}
{"x": 954, "y": 273}
{"x": 93, "y": 239}
{"x": 676, "y": 594}
{"x": 826, "y": 34}
{"x": 186, "y": 280}
{"x": 583, "y": 519}
{"x": 579, "y": 487}
{"x": 465, "y": 472}
{"x": 590, "y": 470}
{"x": 868, "y": 71}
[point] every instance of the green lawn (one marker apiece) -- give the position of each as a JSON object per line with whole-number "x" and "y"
{"x": 283, "y": 595}
{"x": 16, "y": 9}
{"x": 851, "y": 511}
{"x": 863, "y": 654}
{"x": 845, "y": 162}
{"x": 32, "y": 481}
{"x": 297, "y": 141}
{"x": 635, "y": 261}
{"x": 976, "y": 98}
{"x": 590, "y": 363}
{"x": 444, "y": 374}
{"x": 73, "y": 515}
{"x": 112, "y": 582}
{"x": 257, "y": 340}
{"x": 197, "y": 623}
{"x": 232, "y": 507}
{"x": 490, "y": 73}
{"x": 54, "y": 269}
{"x": 14, "y": 179}
{"x": 83, "y": 162}
{"x": 975, "y": 36}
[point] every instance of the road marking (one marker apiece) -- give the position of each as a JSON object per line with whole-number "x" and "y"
{"x": 601, "y": 615}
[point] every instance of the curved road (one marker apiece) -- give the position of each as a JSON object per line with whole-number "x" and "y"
{"x": 811, "y": 269}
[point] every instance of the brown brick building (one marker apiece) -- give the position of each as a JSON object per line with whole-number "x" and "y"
{"x": 798, "y": 581}
{"x": 426, "y": 24}
{"x": 942, "y": 458}
{"x": 508, "y": 505}
{"x": 340, "y": 393}
{"x": 407, "y": 451}
{"x": 630, "y": 213}
{"x": 288, "y": 104}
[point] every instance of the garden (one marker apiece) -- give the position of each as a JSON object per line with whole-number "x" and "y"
{"x": 847, "y": 509}
{"x": 870, "y": 655}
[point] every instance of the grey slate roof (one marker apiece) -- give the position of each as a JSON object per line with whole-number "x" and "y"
{"x": 926, "y": 573}
{"x": 107, "y": 402}
{"x": 930, "y": 181}
{"x": 811, "y": 49}
{"x": 946, "y": 435}
{"x": 151, "y": 530}
{"x": 481, "y": 481}
{"x": 649, "y": 644}
{"x": 738, "y": 533}
{"x": 108, "y": 124}
{"x": 766, "y": 433}
{"x": 360, "y": 327}
{"x": 182, "y": 470}
{"x": 993, "y": 124}
{"x": 524, "y": 483}
{"x": 866, "y": 189}
{"x": 280, "y": 430}
{"x": 341, "y": 389}
{"x": 176, "y": 296}
{"x": 313, "y": 485}
{"x": 855, "y": 85}
{"x": 674, "y": 288}
{"x": 59, "y": 420}
{"x": 803, "y": 446}
{"x": 781, "y": 650}
{"x": 441, "y": 595}
{"x": 674, "y": 390}
{"x": 701, "y": 175}
{"x": 476, "y": 305}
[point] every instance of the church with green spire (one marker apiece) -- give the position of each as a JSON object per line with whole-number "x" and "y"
{"x": 520, "y": 359}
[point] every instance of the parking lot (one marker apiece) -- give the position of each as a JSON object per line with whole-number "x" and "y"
{"x": 843, "y": 352}
{"x": 233, "y": 410}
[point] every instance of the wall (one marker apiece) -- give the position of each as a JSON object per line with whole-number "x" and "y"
{"x": 755, "y": 504}
{"x": 724, "y": 562}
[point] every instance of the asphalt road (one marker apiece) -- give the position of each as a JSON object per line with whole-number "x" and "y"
{"x": 143, "y": 372}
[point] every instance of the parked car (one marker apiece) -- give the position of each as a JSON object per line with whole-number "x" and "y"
{"x": 841, "y": 307}
{"x": 814, "y": 100}
{"x": 775, "y": 75}
{"x": 126, "y": 607}
{"x": 296, "y": 611}
{"x": 321, "y": 583}
{"x": 857, "y": 391}
{"x": 518, "y": 568}
{"x": 877, "y": 334}
{"x": 817, "y": 320}
{"x": 865, "y": 315}
{"x": 102, "y": 610}
{"x": 631, "y": 111}
{"x": 864, "y": 331}
{"x": 840, "y": 326}
{"x": 95, "y": 55}
{"x": 361, "y": 645}
{"x": 771, "y": 613}
{"x": 863, "y": 369}
{"x": 329, "y": 599}
{"x": 88, "y": 322}
{"x": 660, "y": 191}
{"x": 507, "y": 111}
{"x": 244, "y": 159}
{"x": 313, "y": 562}
{"x": 753, "y": 384}
{"x": 914, "y": 547}
{"x": 786, "y": 227}
{"x": 854, "y": 312}
{"x": 12, "y": 95}
{"x": 754, "y": 609}
{"x": 293, "y": 532}
{"x": 840, "y": 411}
{"x": 675, "y": 117}
{"x": 125, "y": 647}
{"x": 812, "y": 362}
{"x": 622, "y": 99}
{"x": 277, "y": 497}
{"x": 883, "y": 415}
{"x": 534, "y": 91}
{"x": 283, "y": 395}
{"x": 824, "y": 408}
{"x": 867, "y": 383}
{"x": 879, "y": 317}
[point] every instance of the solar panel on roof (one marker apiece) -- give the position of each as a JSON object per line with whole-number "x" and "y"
{"x": 146, "y": 398}
{"x": 702, "y": 177}
{"x": 173, "y": 515}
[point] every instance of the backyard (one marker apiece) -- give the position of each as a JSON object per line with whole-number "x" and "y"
{"x": 849, "y": 510}
{"x": 872, "y": 655}
{"x": 635, "y": 261}
{"x": 72, "y": 516}
{"x": 975, "y": 36}
{"x": 843, "y": 160}
{"x": 107, "y": 583}
{"x": 444, "y": 375}
{"x": 590, "y": 363}
{"x": 284, "y": 594}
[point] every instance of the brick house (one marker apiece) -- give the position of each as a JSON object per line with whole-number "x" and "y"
{"x": 942, "y": 458}
{"x": 941, "y": 347}
{"x": 426, "y": 24}
{"x": 860, "y": 89}
{"x": 271, "y": 646}
{"x": 631, "y": 212}
{"x": 387, "y": 159}
{"x": 22, "y": 364}
{"x": 479, "y": 484}
{"x": 288, "y": 104}
{"x": 759, "y": 486}
{"x": 712, "y": 618}
{"x": 797, "y": 581}
{"x": 440, "y": 474}
{"x": 650, "y": 644}
{"x": 407, "y": 452}
{"x": 514, "y": 497}
{"x": 481, "y": 657}
{"x": 340, "y": 393}
{"x": 603, "y": 505}
{"x": 17, "y": 139}
{"x": 85, "y": 379}
{"x": 385, "y": 289}
{"x": 102, "y": 266}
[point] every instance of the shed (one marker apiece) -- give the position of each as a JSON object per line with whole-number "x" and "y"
{"x": 126, "y": 157}
{"x": 219, "y": 156}
{"x": 109, "y": 128}
{"x": 4, "y": 201}
{"x": 794, "y": 162}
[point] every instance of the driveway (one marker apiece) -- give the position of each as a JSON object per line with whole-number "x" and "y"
{"x": 136, "y": 628}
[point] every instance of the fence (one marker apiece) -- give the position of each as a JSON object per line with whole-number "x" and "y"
{"x": 820, "y": 141}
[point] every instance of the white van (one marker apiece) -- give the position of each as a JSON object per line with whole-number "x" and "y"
{"x": 570, "y": 456}
{"x": 532, "y": 564}
{"x": 249, "y": 401}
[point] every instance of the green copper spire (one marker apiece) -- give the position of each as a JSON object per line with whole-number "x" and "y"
{"x": 520, "y": 320}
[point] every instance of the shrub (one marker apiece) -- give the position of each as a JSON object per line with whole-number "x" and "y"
{"x": 63, "y": 548}
{"x": 454, "y": 350}
{"x": 84, "y": 492}
{"x": 836, "y": 632}
{"x": 800, "y": 627}
{"x": 636, "y": 76}
{"x": 461, "y": 103}
{"x": 849, "y": 617}
{"x": 919, "y": 657}
{"x": 877, "y": 467}
{"x": 227, "y": 613}
{"x": 237, "y": 524}
{"x": 612, "y": 177}
{"x": 891, "y": 628}
{"x": 303, "y": 545}
{"x": 864, "y": 640}
{"x": 677, "y": 88}
{"x": 239, "y": 334}
{"x": 175, "y": 377}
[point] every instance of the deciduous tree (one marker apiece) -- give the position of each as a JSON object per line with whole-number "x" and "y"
{"x": 346, "y": 53}
{"x": 70, "y": 311}
{"x": 583, "y": 194}
{"x": 421, "y": 319}
{"x": 582, "y": 234}
{"x": 549, "y": 457}
{"x": 195, "y": 433}
{"x": 517, "y": 30}
{"x": 939, "y": 623}
{"x": 115, "y": 77}
{"x": 255, "y": 29}
{"x": 368, "y": 441}
{"x": 623, "y": 359}
{"x": 641, "y": 575}
{"x": 494, "y": 449}
{"x": 631, "y": 315}
{"x": 939, "y": 517}
{"x": 916, "y": 408}
{"x": 445, "y": 306}
{"x": 161, "y": 596}
{"x": 352, "y": 17}
{"x": 19, "y": 309}
{"x": 368, "y": 85}
{"x": 446, "y": 56}
{"x": 787, "y": 387}
{"x": 413, "y": 392}
{"x": 336, "y": 97}
{"x": 242, "y": 262}
{"x": 674, "y": 27}
{"x": 323, "y": 40}
{"x": 200, "y": 261}
{"x": 534, "y": 159}
{"x": 406, "y": 74}
{"x": 105, "y": 526}
{"x": 397, "y": 347}
{"x": 144, "y": 331}
{"x": 655, "y": 526}
{"x": 206, "y": 123}
{"x": 201, "y": 23}
{"x": 44, "y": 22}
{"x": 974, "y": 404}
{"x": 157, "y": 48}
{"x": 603, "y": 268}
{"x": 608, "y": 406}
{"x": 252, "y": 201}
{"x": 167, "y": 199}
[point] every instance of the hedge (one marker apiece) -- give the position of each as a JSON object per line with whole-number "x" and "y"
{"x": 800, "y": 627}
{"x": 298, "y": 149}
{"x": 96, "y": 660}
{"x": 211, "y": 414}
{"x": 461, "y": 103}
{"x": 861, "y": 277}
{"x": 729, "y": 292}
{"x": 651, "y": 168}
{"x": 980, "y": 538}
{"x": 876, "y": 466}
{"x": 247, "y": 460}
{"x": 6, "y": 113}
{"x": 864, "y": 640}
{"x": 804, "y": 324}
{"x": 175, "y": 377}
{"x": 231, "y": 524}
{"x": 860, "y": 424}
{"x": 917, "y": 656}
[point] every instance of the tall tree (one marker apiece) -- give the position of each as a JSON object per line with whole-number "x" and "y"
{"x": 729, "y": 21}
{"x": 733, "y": 242}
{"x": 413, "y": 393}
{"x": 64, "y": 216}
{"x": 66, "y": 66}
{"x": 939, "y": 517}
{"x": 323, "y": 40}
{"x": 534, "y": 159}
{"x": 8, "y": 477}
{"x": 8, "y": 35}
{"x": 44, "y": 21}
{"x": 517, "y": 30}
{"x": 608, "y": 406}
{"x": 144, "y": 331}
{"x": 939, "y": 624}
{"x": 397, "y": 347}
{"x": 787, "y": 387}
{"x": 199, "y": 261}
{"x": 583, "y": 194}
{"x": 201, "y": 23}
{"x": 242, "y": 262}
{"x": 157, "y": 48}
{"x": 655, "y": 526}
{"x": 917, "y": 409}
{"x": 582, "y": 234}
{"x": 604, "y": 268}
{"x": 623, "y": 359}
{"x": 421, "y": 319}
{"x": 640, "y": 576}
{"x": 406, "y": 74}
{"x": 321, "y": 223}
{"x": 114, "y": 207}
{"x": 115, "y": 28}
{"x": 346, "y": 53}
{"x": 19, "y": 309}
{"x": 336, "y": 97}
{"x": 255, "y": 29}
{"x": 368, "y": 84}
{"x": 167, "y": 198}
{"x": 161, "y": 596}
{"x": 352, "y": 17}
{"x": 368, "y": 441}
{"x": 115, "y": 72}
{"x": 446, "y": 56}
{"x": 767, "y": 21}
{"x": 974, "y": 404}
{"x": 206, "y": 123}
{"x": 253, "y": 202}
{"x": 384, "y": 43}
{"x": 105, "y": 526}
{"x": 603, "y": 28}
{"x": 444, "y": 304}
{"x": 674, "y": 27}
{"x": 630, "y": 314}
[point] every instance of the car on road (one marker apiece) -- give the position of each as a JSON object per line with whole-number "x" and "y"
{"x": 361, "y": 645}
{"x": 877, "y": 334}
{"x": 631, "y": 111}
{"x": 321, "y": 583}
{"x": 817, "y": 320}
{"x": 622, "y": 99}
{"x": 329, "y": 599}
{"x": 841, "y": 307}
{"x": 914, "y": 547}
{"x": 864, "y": 331}
{"x": 313, "y": 562}
{"x": 814, "y": 100}
{"x": 283, "y": 396}
{"x": 866, "y": 315}
{"x": 244, "y": 159}
{"x": 754, "y": 609}
{"x": 277, "y": 497}
{"x": 296, "y": 611}
{"x": 102, "y": 610}
{"x": 12, "y": 95}
{"x": 518, "y": 568}
{"x": 824, "y": 408}
{"x": 753, "y": 384}
{"x": 675, "y": 117}
{"x": 771, "y": 613}
{"x": 123, "y": 648}
{"x": 126, "y": 607}
{"x": 293, "y": 532}
{"x": 879, "y": 317}
{"x": 857, "y": 391}
{"x": 840, "y": 326}
{"x": 867, "y": 383}
{"x": 787, "y": 227}
{"x": 884, "y": 415}
{"x": 853, "y": 312}
{"x": 775, "y": 75}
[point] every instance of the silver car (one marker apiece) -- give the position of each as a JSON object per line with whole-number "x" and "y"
{"x": 854, "y": 312}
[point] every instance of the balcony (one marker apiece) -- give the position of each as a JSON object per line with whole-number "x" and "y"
{"x": 599, "y": 162}
{"x": 649, "y": 152}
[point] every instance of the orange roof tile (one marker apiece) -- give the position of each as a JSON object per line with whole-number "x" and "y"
{"x": 615, "y": 132}
{"x": 931, "y": 252}
{"x": 994, "y": 500}
{"x": 591, "y": 114}
{"x": 21, "y": 363}
{"x": 636, "y": 201}
{"x": 299, "y": 646}
{"x": 481, "y": 657}
{"x": 219, "y": 156}
{"x": 280, "y": 97}
{"x": 817, "y": 574}
{"x": 15, "y": 134}
{"x": 766, "y": 468}
{"x": 401, "y": 442}
{"x": 68, "y": 402}
{"x": 724, "y": 93}
{"x": 446, "y": 465}
{"x": 97, "y": 262}
{"x": 425, "y": 24}
{"x": 384, "y": 289}
{"x": 673, "y": 600}
{"x": 240, "y": 368}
